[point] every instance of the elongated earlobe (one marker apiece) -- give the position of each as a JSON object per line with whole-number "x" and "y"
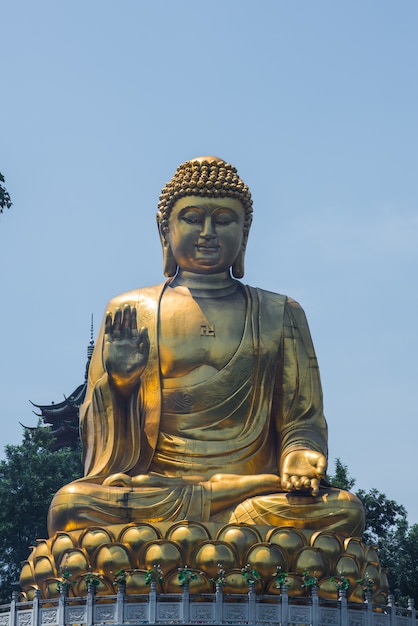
{"x": 170, "y": 265}
{"x": 238, "y": 265}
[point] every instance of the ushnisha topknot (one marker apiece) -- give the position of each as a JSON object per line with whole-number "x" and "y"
{"x": 209, "y": 177}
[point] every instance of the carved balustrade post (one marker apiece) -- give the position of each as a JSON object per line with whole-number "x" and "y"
{"x": 13, "y": 608}
{"x": 152, "y": 606}
{"x": 61, "y": 606}
{"x": 35, "y": 608}
{"x": 120, "y": 602}
{"x": 342, "y": 597}
{"x": 91, "y": 589}
{"x": 251, "y": 603}
{"x": 392, "y": 607}
{"x": 285, "y": 606}
{"x": 315, "y": 605}
{"x": 369, "y": 612}
{"x": 219, "y": 598}
{"x": 412, "y": 612}
{"x": 185, "y": 601}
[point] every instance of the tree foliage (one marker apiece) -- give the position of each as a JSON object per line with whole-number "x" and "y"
{"x": 5, "y": 201}
{"x": 30, "y": 475}
{"x": 387, "y": 528}
{"x": 408, "y": 565}
{"x": 383, "y": 516}
{"x": 341, "y": 479}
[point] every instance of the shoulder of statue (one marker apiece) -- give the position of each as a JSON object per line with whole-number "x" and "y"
{"x": 295, "y": 314}
{"x": 136, "y": 297}
{"x": 269, "y": 308}
{"x": 292, "y": 304}
{"x": 295, "y": 320}
{"x": 268, "y": 297}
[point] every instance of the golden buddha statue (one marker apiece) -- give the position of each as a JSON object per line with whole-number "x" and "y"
{"x": 204, "y": 400}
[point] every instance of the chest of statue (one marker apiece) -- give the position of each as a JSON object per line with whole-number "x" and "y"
{"x": 196, "y": 334}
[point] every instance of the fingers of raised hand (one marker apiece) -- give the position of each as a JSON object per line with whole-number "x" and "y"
{"x": 108, "y": 325}
{"x": 123, "y": 325}
{"x": 133, "y": 325}
{"x": 117, "y": 324}
{"x": 129, "y": 323}
{"x": 143, "y": 344}
{"x": 126, "y": 321}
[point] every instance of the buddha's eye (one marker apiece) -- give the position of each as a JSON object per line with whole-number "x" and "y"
{"x": 223, "y": 219}
{"x": 191, "y": 218}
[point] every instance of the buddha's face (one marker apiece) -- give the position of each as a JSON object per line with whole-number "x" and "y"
{"x": 206, "y": 234}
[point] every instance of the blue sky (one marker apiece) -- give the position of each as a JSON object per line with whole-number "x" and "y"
{"x": 314, "y": 102}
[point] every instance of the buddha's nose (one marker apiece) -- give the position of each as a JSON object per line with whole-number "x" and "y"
{"x": 208, "y": 229}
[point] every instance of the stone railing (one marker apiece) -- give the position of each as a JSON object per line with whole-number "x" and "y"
{"x": 216, "y": 608}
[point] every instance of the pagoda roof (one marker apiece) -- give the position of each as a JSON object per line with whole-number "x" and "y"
{"x": 56, "y": 412}
{"x": 62, "y": 418}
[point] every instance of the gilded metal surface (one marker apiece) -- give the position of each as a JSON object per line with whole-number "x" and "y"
{"x": 204, "y": 399}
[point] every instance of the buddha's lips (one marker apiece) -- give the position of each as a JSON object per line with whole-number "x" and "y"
{"x": 200, "y": 246}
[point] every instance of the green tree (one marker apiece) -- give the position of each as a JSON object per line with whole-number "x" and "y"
{"x": 407, "y": 578}
{"x": 387, "y": 528}
{"x": 383, "y": 516}
{"x": 341, "y": 479}
{"x": 5, "y": 201}
{"x": 30, "y": 475}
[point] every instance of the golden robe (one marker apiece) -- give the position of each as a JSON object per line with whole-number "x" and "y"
{"x": 266, "y": 401}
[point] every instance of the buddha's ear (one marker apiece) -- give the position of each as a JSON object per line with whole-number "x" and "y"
{"x": 238, "y": 265}
{"x": 169, "y": 262}
{"x": 159, "y": 226}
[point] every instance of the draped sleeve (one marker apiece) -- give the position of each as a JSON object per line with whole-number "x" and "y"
{"x": 115, "y": 435}
{"x": 298, "y": 405}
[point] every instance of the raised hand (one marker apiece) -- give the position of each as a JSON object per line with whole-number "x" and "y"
{"x": 125, "y": 350}
{"x": 302, "y": 470}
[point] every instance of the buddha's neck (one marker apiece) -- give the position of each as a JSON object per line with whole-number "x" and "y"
{"x": 209, "y": 285}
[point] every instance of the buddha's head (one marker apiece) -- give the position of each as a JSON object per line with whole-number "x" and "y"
{"x": 211, "y": 178}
